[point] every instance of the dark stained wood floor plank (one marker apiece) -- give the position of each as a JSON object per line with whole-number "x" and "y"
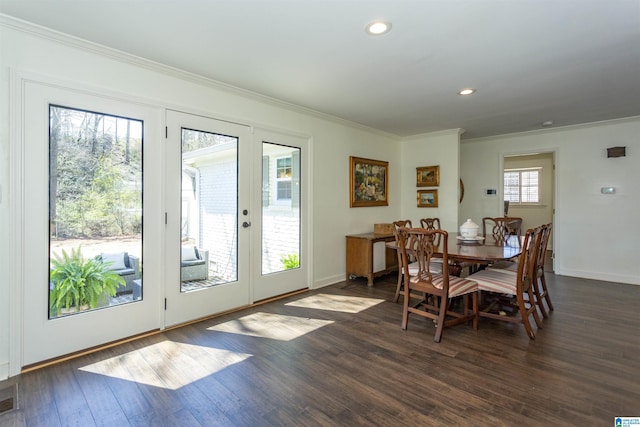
{"x": 360, "y": 369}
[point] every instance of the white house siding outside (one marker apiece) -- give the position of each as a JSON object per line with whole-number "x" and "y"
{"x": 281, "y": 236}
{"x": 216, "y": 193}
{"x": 218, "y": 216}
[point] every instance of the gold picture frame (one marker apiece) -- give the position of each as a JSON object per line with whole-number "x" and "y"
{"x": 427, "y": 198}
{"x": 368, "y": 182}
{"x": 428, "y": 176}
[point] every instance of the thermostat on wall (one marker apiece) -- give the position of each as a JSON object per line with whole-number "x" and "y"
{"x": 491, "y": 192}
{"x": 608, "y": 190}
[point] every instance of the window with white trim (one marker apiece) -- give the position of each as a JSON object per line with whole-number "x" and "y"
{"x": 523, "y": 186}
{"x": 283, "y": 178}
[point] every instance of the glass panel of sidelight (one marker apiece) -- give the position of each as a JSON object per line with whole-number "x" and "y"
{"x": 280, "y": 208}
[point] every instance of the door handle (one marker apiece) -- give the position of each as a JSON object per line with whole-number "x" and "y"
{"x": 246, "y": 224}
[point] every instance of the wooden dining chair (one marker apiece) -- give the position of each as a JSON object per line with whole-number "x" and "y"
{"x": 519, "y": 286}
{"x": 406, "y": 223}
{"x": 540, "y": 289}
{"x": 500, "y": 228}
{"x": 542, "y": 292}
{"x": 436, "y": 267}
{"x": 437, "y": 289}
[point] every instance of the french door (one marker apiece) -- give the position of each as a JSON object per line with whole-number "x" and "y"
{"x": 235, "y": 229}
{"x": 89, "y": 166}
{"x": 206, "y": 218}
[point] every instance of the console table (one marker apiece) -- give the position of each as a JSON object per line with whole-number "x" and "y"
{"x": 368, "y": 256}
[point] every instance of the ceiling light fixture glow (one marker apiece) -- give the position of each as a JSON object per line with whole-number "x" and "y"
{"x": 466, "y": 91}
{"x": 377, "y": 28}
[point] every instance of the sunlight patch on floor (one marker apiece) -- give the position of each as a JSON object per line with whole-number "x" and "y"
{"x": 168, "y": 364}
{"x": 272, "y": 326}
{"x": 342, "y": 303}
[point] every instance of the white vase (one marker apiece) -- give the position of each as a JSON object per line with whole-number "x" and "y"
{"x": 469, "y": 229}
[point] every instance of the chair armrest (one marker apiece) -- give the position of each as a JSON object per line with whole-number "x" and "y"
{"x": 135, "y": 264}
{"x": 204, "y": 254}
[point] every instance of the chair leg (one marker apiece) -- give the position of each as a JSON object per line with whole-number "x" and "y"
{"x": 547, "y": 298}
{"x": 398, "y": 286}
{"x": 476, "y": 311}
{"x": 524, "y": 315}
{"x": 539, "y": 294}
{"x": 442, "y": 313}
{"x": 405, "y": 309}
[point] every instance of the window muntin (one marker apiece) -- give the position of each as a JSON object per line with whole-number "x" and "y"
{"x": 523, "y": 186}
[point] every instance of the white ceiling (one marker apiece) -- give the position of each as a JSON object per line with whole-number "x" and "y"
{"x": 568, "y": 61}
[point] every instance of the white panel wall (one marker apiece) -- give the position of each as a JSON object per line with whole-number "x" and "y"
{"x": 439, "y": 148}
{"x": 596, "y": 236}
{"x": 33, "y": 50}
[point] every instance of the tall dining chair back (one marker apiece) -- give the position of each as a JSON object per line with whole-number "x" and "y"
{"x": 431, "y": 224}
{"x": 403, "y": 223}
{"x": 500, "y": 228}
{"x": 541, "y": 283}
{"x": 436, "y": 290}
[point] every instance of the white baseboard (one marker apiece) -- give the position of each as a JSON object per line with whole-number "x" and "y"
{"x": 329, "y": 281}
{"x": 606, "y": 277}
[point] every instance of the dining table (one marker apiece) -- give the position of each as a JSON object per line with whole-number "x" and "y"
{"x": 475, "y": 251}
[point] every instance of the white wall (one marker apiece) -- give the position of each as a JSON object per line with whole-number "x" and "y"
{"x": 34, "y": 50}
{"x": 438, "y": 148}
{"x": 596, "y": 236}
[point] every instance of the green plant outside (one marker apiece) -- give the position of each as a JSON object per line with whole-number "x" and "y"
{"x": 290, "y": 261}
{"x": 77, "y": 282}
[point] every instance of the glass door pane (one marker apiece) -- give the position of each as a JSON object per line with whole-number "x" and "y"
{"x": 209, "y": 210}
{"x": 95, "y": 210}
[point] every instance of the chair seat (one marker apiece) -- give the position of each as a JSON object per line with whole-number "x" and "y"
{"x": 433, "y": 268}
{"x": 457, "y": 285}
{"x": 192, "y": 262}
{"x": 496, "y": 280}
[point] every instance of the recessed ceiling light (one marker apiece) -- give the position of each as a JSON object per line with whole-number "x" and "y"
{"x": 377, "y": 28}
{"x": 466, "y": 91}
{"x": 547, "y": 123}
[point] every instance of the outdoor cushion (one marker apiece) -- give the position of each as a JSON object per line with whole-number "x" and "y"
{"x": 189, "y": 253}
{"x": 115, "y": 261}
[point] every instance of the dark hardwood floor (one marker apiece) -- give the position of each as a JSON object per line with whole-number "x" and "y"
{"x": 337, "y": 356}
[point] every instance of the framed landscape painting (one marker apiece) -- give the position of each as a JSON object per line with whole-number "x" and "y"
{"x": 428, "y": 176}
{"x": 369, "y": 182}
{"x": 427, "y": 198}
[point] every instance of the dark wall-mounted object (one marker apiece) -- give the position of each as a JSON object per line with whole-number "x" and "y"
{"x": 616, "y": 152}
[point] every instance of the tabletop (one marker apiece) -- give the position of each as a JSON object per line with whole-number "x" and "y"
{"x": 482, "y": 251}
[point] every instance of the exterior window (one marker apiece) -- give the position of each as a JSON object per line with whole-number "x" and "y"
{"x": 522, "y": 186}
{"x": 283, "y": 178}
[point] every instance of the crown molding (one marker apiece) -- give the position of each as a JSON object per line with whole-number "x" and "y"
{"x": 55, "y": 36}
